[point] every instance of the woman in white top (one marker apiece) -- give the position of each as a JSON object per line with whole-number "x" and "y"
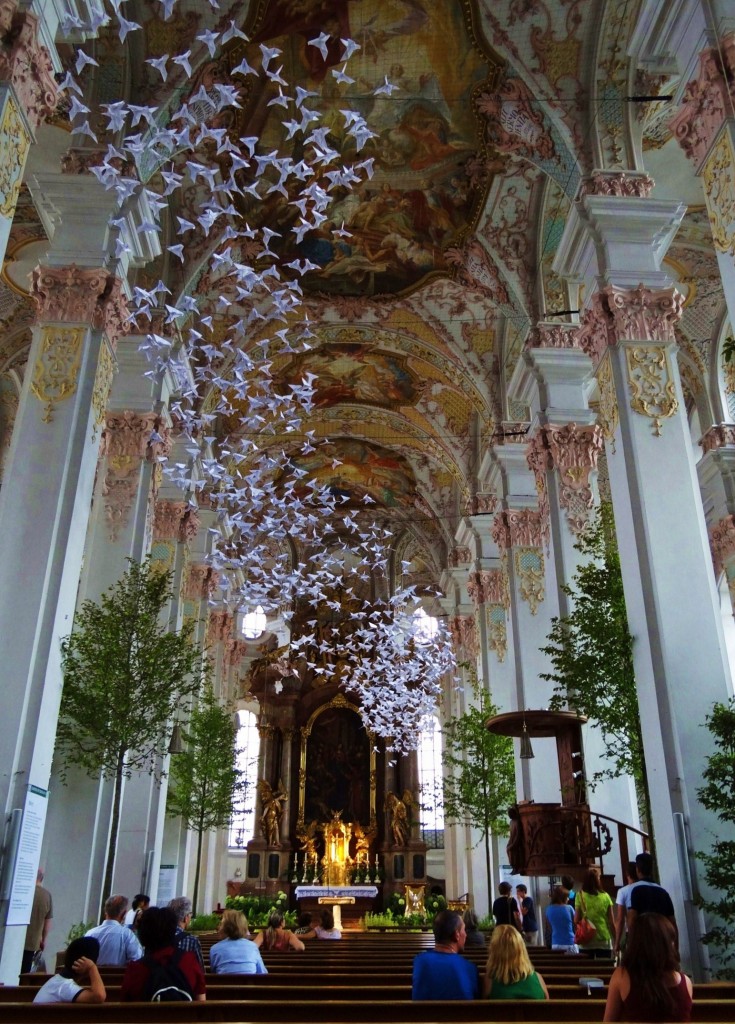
{"x": 326, "y": 929}
{"x": 79, "y": 981}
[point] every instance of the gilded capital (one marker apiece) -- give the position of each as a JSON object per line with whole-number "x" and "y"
{"x": 520, "y": 527}
{"x": 76, "y": 295}
{"x": 629, "y": 314}
{"x": 721, "y": 435}
{"x": 722, "y": 542}
{"x": 463, "y": 630}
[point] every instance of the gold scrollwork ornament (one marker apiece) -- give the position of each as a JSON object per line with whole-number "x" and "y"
{"x": 57, "y": 366}
{"x": 718, "y": 179}
{"x": 14, "y": 144}
{"x": 652, "y": 389}
{"x": 530, "y": 571}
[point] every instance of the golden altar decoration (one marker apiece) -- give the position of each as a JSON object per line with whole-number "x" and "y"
{"x": 415, "y": 899}
{"x": 336, "y": 861}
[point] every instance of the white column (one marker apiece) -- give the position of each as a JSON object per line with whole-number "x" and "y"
{"x": 679, "y": 650}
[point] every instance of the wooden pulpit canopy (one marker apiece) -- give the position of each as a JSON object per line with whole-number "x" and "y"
{"x": 538, "y": 723}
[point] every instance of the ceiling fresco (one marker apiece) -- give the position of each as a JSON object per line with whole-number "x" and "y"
{"x": 424, "y": 128}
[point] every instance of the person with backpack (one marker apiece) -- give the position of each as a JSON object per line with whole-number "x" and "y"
{"x": 165, "y": 973}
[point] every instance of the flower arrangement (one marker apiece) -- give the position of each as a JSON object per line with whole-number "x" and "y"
{"x": 258, "y": 909}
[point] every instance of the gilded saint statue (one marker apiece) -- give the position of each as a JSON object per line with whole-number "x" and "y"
{"x": 308, "y": 841}
{"x": 270, "y": 818}
{"x": 400, "y": 816}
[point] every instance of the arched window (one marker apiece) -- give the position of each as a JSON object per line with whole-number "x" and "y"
{"x": 242, "y": 823}
{"x": 424, "y": 626}
{"x": 254, "y": 623}
{"x": 430, "y": 781}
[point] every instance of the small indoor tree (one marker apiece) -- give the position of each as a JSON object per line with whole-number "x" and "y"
{"x": 718, "y": 796}
{"x": 205, "y": 778}
{"x": 479, "y": 781}
{"x": 591, "y": 654}
{"x": 125, "y": 674}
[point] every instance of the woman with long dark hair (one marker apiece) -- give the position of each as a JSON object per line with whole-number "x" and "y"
{"x": 649, "y": 986}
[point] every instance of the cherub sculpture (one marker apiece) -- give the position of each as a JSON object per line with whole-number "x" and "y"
{"x": 308, "y": 841}
{"x": 270, "y": 818}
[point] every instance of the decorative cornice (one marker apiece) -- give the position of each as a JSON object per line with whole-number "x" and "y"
{"x": 26, "y": 66}
{"x": 76, "y": 295}
{"x": 708, "y": 100}
{"x": 722, "y": 542}
{"x": 623, "y": 184}
{"x": 629, "y": 314}
{"x": 721, "y": 435}
{"x": 547, "y": 335}
{"x": 523, "y": 527}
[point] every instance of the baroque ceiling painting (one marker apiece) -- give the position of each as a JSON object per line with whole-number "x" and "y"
{"x": 423, "y": 130}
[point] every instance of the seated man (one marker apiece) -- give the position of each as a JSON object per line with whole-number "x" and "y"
{"x": 79, "y": 981}
{"x": 187, "y": 943}
{"x": 118, "y": 944}
{"x": 441, "y": 973}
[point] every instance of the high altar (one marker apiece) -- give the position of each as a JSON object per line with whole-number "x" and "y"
{"x": 335, "y": 814}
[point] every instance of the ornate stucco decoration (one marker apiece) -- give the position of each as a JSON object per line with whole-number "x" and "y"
{"x": 128, "y": 433}
{"x": 530, "y": 572}
{"x": 26, "y": 65}
{"x": 201, "y": 582}
{"x": 718, "y": 179}
{"x": 548, "y": 335}
{"x": 607, "y": 413}
{"x": 721, "y": 435}
{"x": 126, "y": 442}
{"x": 102, "y": 385}
{"x": 57, "y": 365}
{"x": 496, "y": 588}
{"x": 573, "y": 451}
{"x": 514, "y": 121}
{"x": 652, "y": 389}
{"x": 481, "y": 505}
{"x": 617, "y": 183}
{"x": 525, "y": 527}
{"x": 167, "y": 519}
{"x": 722, "y": 543}
{"x": 708, "y": 100}
{"x": 497, "y": 630}
{"x": 463, "y": 630}
{"x": 475, "y": 589}
{"x": 14, "y": 143}
{"x": 122, "y": 478}
{"x": 537, "y": 457}
{"x": 220, "y": 626}
{"x": 459, "y": 556}
{"x": 79, "y": 295}
{"x": 629, "y": 314}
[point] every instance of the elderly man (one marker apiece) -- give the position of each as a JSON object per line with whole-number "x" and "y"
{"x": 118, "y": 944}
{"x": 440, "y": 973}
{"x": 182, "y": 907}
{"x": 37, "y": 931}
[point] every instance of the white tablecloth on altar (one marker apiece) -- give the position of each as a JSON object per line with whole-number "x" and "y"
{"x": 336, "y": 890}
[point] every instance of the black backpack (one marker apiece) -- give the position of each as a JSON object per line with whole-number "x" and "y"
{"x": 166, "y": 982}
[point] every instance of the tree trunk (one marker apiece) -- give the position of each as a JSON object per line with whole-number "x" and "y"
{"x": 200, "y": 840}
{"x": 114, "y": 829}
{"x": 487, "y": 868}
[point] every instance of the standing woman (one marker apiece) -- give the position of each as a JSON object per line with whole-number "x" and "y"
{"x": 277, "y": 937}
{"x": 649, "y": 986}
{"x": 596, "y": 905}
{"x": 509, "y": 973}
{"x": 560, "y": 921}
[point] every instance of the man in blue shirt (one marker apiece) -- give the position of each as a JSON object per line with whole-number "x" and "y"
{"x": 441, "y": 973}
{"x": 118, "y": 944}
{"x": 528, "y": 915}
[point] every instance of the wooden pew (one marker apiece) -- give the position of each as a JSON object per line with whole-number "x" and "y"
{"x": 588, "y": 1011}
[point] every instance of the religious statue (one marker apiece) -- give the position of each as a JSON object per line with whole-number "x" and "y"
{"x": 400, "y": 816}
{"x": 514, "y": 848}
{"x": 362, "y": 844}
{"x": 415, "y": 899}
{"x": 308, "y": 841}
{"x": 270, "y": 818}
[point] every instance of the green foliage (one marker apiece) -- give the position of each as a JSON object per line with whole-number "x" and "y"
{"x": 257, "y": 909}
{"x": 204, "y": 923}
{"x": 718, "y": 796}
{"x": 205, "y": 779}
{"x": 728, "y": 350}
{"x": 78, "y": 931}
{"x": 591, "y": 653}
{"x": 410, "y": 923}
{"x": 125, "y": 674}
{"x": 479, "y": 782}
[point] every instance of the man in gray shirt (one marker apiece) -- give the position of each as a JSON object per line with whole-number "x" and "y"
{"x": 118, "y": 944}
